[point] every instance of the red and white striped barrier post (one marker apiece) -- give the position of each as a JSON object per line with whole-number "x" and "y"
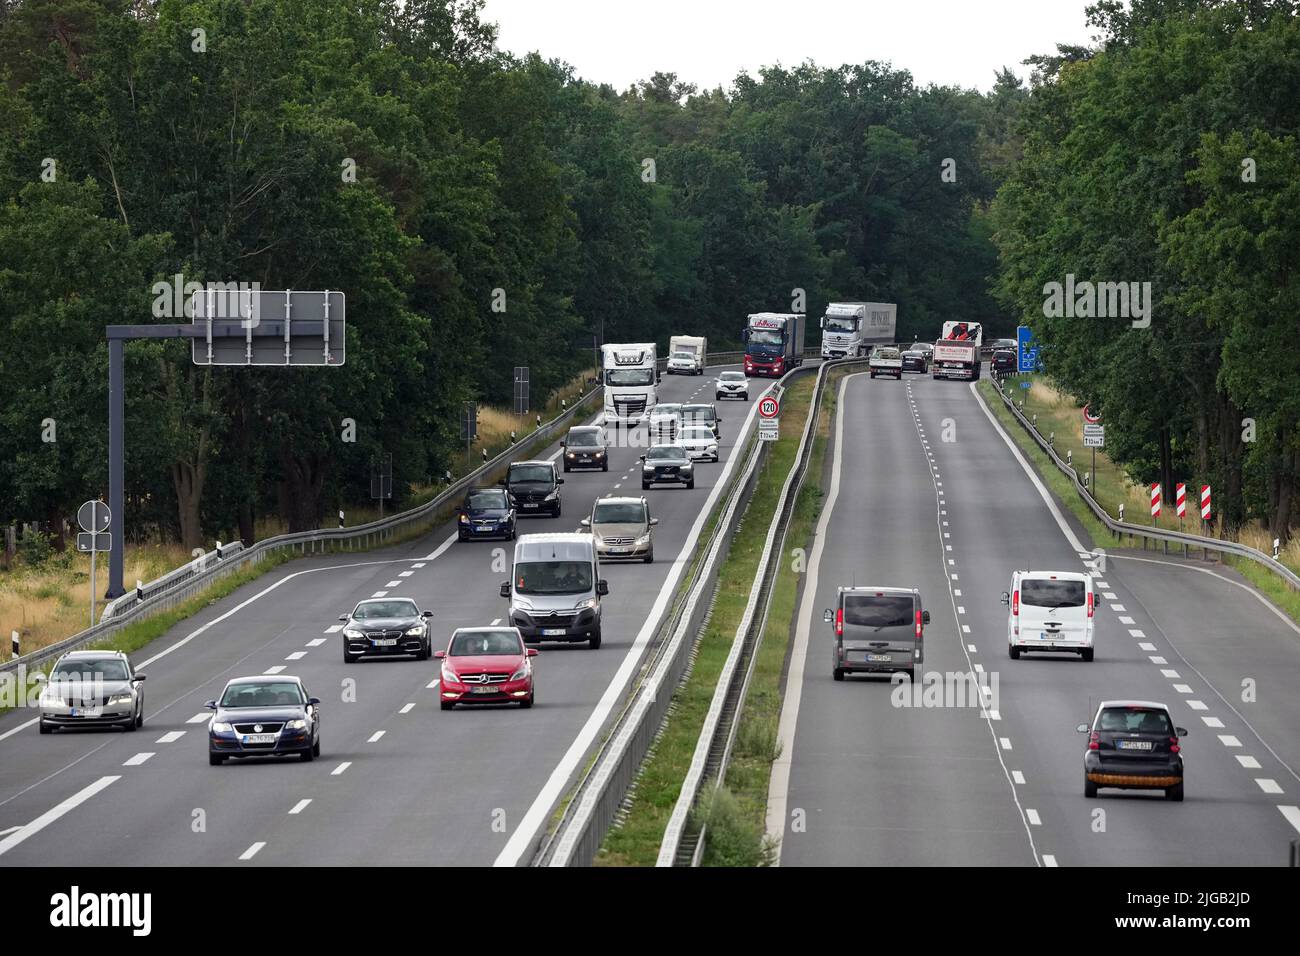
{"x": 1155, "y": 502}
{"x": 1205, "y": 504}
{"x": 1180, "y": 502}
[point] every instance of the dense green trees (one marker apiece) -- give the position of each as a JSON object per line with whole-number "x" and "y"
{"x": 1169, "y": 156}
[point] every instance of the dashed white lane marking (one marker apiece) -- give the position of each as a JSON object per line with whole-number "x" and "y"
{"x": 1169, "y": 672}
{"x": 137, "y": 759}
{"x": 1049, "y": 860}
{"x": 1146, "y": 646}
{"x": 296, "y": 656}
{"x": 954, "y": 577}
{"x": 253, "y": 850}
{"x": 1229, "y": 740}
{"x": 202, "y": 718}
{"x": 170, "y": 737}
{"x": 379, "y": 594}
{"x": 1267, "y": 785}
{"x": 1157, "y": 659}
{"x": 960, "y": 609}
{"x": 300, "y": 806}
{"x": 496, "y": 621}
{"x": 1183, "y": 688}
{"x": 956, "y": 592}
{"x": 315, "y": 642}
{"x": 340, "y": 768}
{"x": 1017, "y": 776}
{"x": 965, "y": 628}
{"x": 1250, "y": 763}
{"x": 992, "y": 714}
{"x": 1103, "y": 584}
{"x": 1125, "y": 620}
{"x": 404, "y": 574}
{"x": 1137, "y": 632}
{"x": 1212, "y": 721}
{"x": 418, "y": 564}
{"x": 375, "y": 736}
{"x": 979, "y": 668}
{"x": 1109, "y": 595}
{"x": 1197, "y": 705}
{"x": 432, "y": 685}
{"x": 393, "y": 584}
{"x": 333, "y": 628}
{"x": 274, "y": 670}
{"x": 407, "y": 709}
{"x": 1033, "y": 818}
{"x": 1118, "y": 607}
{"x": 49, "y": 816}
{"x": 1005, "y": 742}
{"x": 972, "y": 648}
{"x": 1292, "y": 815}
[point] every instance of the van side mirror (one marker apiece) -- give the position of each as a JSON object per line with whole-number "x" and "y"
{"x": 1006, "y": 598}
{"x": 602, "y": 587}
{"x": 505, "y": 589}
{"x": 559, "y": 481}
{"x": 439, "y": 654}
{"x": 925, "y": 617}
{"x": 585, "y": 522}
{"x": 427, "y": 614}
{"x": 210, "y": 705}
{"x": 139, "y": 677}
{"x": 1082, "y": 728}
{"x": 1182, "y": 731}
{"x": 654, "y": 520}
{"x": 828, "y": 616}
{"x": 313, "y": 701}
{"x": 532, "y": 652}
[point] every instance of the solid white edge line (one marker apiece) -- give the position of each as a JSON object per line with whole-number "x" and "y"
{"x": 49, "y": 816}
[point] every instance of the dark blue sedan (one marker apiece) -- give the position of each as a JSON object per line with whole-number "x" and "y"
{"x": 486, "y": 513}
{"x": 264, "y": 717}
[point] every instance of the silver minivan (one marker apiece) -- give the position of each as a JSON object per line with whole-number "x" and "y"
{"x": 555, "y": 588}
{"x": 877, "y": 630}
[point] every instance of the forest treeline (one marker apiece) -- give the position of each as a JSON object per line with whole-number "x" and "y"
{"x": 483, "y": 211}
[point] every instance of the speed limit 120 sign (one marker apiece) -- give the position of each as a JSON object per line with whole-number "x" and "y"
{"x": 768, "y": 407}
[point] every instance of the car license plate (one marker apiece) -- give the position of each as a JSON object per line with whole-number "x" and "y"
{"x": 530, "y": 504}
{"x": 259, "y": 739}
{"x": 483, "y": 690}
{"x": 1134, "y": 745}
{"x": 482, "y": 530}
{"x": 385, "y": 642}
{"x": 1049, "y": 635}
{"x": 879, "y": 658}
{"x": 620, "y": 550}
{"x": 552, "y": 631}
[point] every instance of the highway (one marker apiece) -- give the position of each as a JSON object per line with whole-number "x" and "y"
{"x": 399, "y": 782}
{"x": 924, "y": 491}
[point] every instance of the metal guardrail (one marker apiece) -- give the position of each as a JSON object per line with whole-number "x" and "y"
{"x": 680, "y": 847}
{"x": 171, "y": 579}
{"x": 182, "y": 584}
{"x": 1120, "y": 528}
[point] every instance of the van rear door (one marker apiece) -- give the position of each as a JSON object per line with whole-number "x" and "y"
{"x": 879, "y": 628}
{"x": 1053, "y": 609}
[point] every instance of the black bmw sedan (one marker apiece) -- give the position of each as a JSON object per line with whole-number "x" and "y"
{"x": 264, "y": 716}
{"x": 386, "y": 626}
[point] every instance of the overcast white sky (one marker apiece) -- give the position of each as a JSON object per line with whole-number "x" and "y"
{"x": 708, "y": 42}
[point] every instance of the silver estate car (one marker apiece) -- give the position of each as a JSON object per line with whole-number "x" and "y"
{"x": 92, "y": 689}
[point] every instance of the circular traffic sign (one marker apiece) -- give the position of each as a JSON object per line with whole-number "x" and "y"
{"x": 768, "y": 407}
{"x": 1090, "y": 418}
{"x": 94, "y": 517}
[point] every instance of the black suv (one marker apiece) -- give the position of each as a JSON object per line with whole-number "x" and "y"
{"x": 585, "y": 447}
{"x": 1003, "y": 362}
{"x": 1133, "y": 745}
{"x": 534, "y": 486}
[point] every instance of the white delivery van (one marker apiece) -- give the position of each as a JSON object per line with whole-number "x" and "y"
{"x": 1050, "y": 611}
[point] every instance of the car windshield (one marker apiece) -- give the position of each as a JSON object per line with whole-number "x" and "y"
{"x": 683, "y": 355}
{"x": 702, "y": 413}
{"x": 618, "y": 512}
{"x": 487, "y": 498}
{"x": 629, "y": 376}
{"x": 663, "y": 411}
{"x": 552, "y": 577}
{"x": 263, "y": 694}
{"x": 919, "y": 347}
{"x": 871, "y": 610}
{"x": 519, "y": 473}
{"x": 1040, "y": 592}
{"x": 1135, "y": 720}
{"x": 732, "y": 376}
{"x": 887, "y": 353}
{"x": 102, "y": 669}
{"x": 833, "y": 323}
{"x": 697, "y": 433}
{"x": 485, "y": 644}
{"x": 766, "y": 337}
{"x": 374, "y": 610}
{"x": 583, "y": 439}
{"x": 662, "y": 452}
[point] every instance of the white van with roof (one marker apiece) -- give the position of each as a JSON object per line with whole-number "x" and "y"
{"x": 1050, "y": 611}
{"x": 555, "y": 588}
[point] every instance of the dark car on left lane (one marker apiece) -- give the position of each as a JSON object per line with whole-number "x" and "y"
{"x": 486, "y": 513}
{"x": 1003, "y": 362}
{"x": 384, "y": 627}
{"x": 263, "y": 716}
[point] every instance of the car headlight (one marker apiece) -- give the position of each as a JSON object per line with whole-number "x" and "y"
{"x": 554, "y": 494}
{"x": 464, "y": 519}
{"x": 642, "y": 541}
{"x": 120, "y": 699}
{"x": 688, "y": 466}
{"x": 352, "y": 632}
{"x": 221, "y": 727}
{"x": 417, "y": 631}
{"x": 449, "y": 675}
{"x": 521, "y": 673}
{"x": 298, "y": 724}
{"x": 585, "y": 605}
{"x": 571, "y": 455}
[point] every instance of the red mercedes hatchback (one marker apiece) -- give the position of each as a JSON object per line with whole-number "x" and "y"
{"x": 486, "y": 665}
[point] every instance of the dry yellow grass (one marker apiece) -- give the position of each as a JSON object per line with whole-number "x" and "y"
{"x": 47, "y": 604}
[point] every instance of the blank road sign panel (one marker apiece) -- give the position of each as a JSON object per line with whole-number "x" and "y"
{"x": 86, "y": 541}
{"x": 252, "y": 328}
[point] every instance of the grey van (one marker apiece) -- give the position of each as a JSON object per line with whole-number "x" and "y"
{"x": 555, "y": 588}
{"x": 877, "y": 630}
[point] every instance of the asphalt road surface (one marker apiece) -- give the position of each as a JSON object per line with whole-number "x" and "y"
{"x": 924, "y": 491}
{"x": 399, "y": 781}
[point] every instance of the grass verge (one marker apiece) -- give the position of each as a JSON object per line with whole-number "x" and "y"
{"x": 636, "y": 841}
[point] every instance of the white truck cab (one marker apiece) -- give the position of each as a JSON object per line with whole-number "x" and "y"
{"x": 630, "y": 376}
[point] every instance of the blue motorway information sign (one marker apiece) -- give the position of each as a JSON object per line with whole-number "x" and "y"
{"x": 1026, "y": 350}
